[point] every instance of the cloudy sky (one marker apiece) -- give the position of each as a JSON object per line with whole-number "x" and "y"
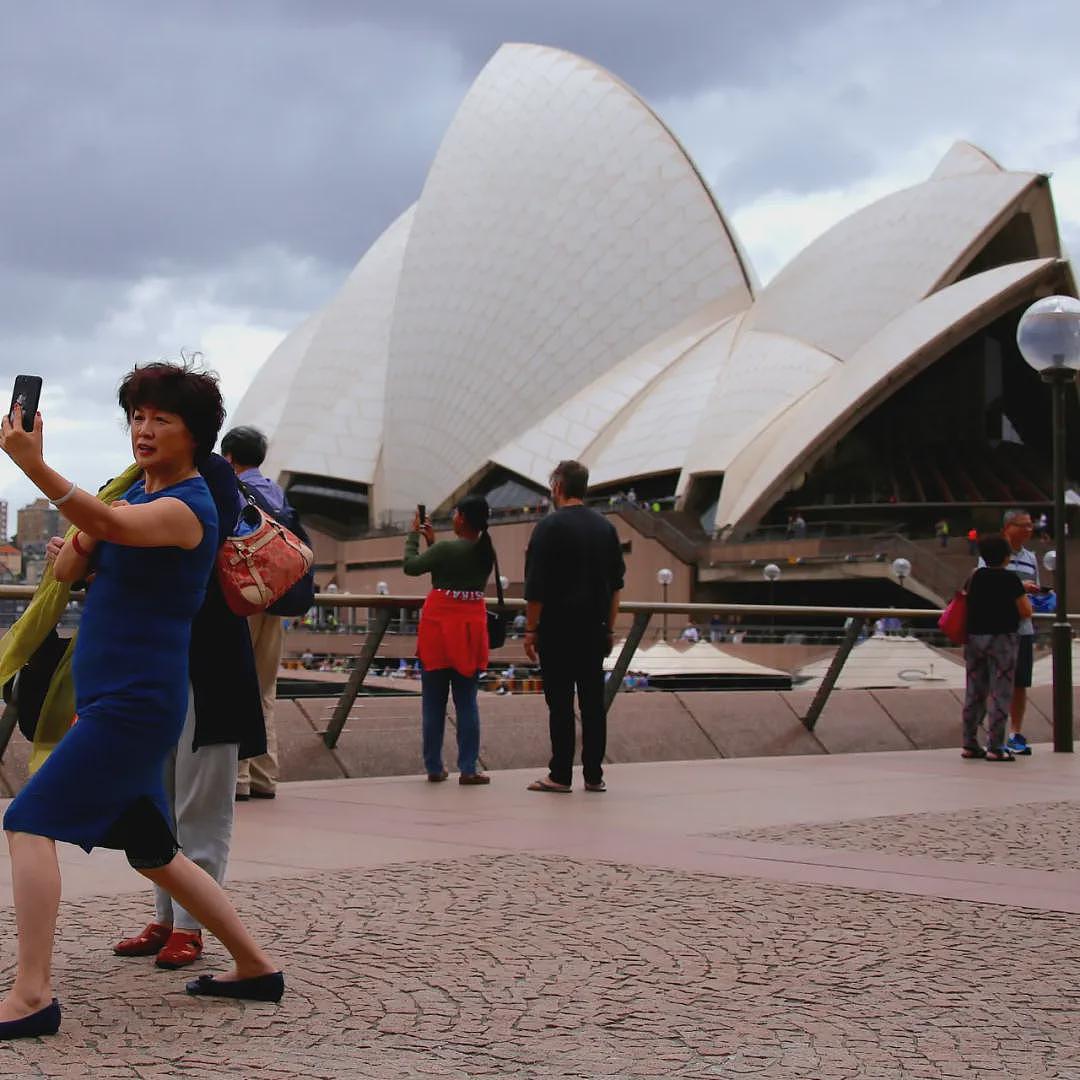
{"x": 200, "y": 176}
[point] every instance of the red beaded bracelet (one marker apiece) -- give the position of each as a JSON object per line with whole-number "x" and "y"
{"x": 78, "y": 548}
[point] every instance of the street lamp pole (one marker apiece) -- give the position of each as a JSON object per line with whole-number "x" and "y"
{"x": 665, "y": 577}
{"x": 771, "y": 572}
{"x": 1048, "y": 337}
{"x": 1061, "y": 380}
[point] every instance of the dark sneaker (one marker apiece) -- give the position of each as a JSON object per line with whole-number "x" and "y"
{"x": 1018, "y": 744}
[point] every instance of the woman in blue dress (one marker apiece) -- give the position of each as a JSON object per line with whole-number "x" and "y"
{"x": 152, "y": 553}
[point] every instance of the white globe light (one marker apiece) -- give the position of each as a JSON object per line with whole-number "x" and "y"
{"x": 382, "y": 588}
{"x": 901, "y": 568}
{"x": 504, "y": 581}
{"x": 665, "y": 576}
{"x": 1048, "y": 334}
{"x": 331, "y": 587}
{"x": 771, "y": 572}
{"x": 1050, "y": 560}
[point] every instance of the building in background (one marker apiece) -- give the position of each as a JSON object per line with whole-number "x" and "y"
{"x": 567, "y": 286}
{"x": 10, "y": 563}
{"x": 4, "y": 534}
{"x": 37, "y": 523}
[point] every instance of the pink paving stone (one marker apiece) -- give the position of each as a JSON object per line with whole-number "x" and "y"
{"x": 433, "y": 930}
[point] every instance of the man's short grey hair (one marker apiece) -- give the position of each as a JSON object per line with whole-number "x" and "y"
{"x": 1011, "y": 515}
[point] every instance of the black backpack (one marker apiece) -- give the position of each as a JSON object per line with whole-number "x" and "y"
{"x": 301, "y": 597}
{"x": 25, "y": 691}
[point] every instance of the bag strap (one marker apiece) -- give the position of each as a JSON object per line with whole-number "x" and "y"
{"x": 498, "y": 576}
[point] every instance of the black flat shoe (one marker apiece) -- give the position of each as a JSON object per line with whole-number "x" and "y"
{"x": 44, "y": 1022}
{"x": 261, "y": 988}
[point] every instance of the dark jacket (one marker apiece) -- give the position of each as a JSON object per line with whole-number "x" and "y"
{"x": 228, "y": 705}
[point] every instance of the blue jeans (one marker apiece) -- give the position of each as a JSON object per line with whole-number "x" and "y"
{"x": 436, "y": 686}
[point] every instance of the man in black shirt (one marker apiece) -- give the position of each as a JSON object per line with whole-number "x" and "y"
{"x": 573, "y": 577}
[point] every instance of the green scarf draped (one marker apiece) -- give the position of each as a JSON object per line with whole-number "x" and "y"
{"x": 31, "y": 629}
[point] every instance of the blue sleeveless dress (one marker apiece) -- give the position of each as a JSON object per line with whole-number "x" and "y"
{"x": 102, "y": 785}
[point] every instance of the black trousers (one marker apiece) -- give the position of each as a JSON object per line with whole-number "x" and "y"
{"x": 573, "y": 660}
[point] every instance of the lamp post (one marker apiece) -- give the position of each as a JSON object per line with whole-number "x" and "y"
{"x": 902, "y": 569}
{"x": 332, "y": 613}
{"x": 770, "y": 573}
{"x": 665, "y": 577}
{"x": 1048, "y": 337}
{"x": 382, "y": 589}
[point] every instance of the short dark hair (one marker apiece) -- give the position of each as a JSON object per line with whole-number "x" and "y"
{"x": 177, "y": 388}
{"x": 574, "y": 478}
{"x": 245, "y": 445}
{"x": 994, "y": 549}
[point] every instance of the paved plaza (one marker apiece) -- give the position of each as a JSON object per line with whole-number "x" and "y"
{"x": 879, "y": 915}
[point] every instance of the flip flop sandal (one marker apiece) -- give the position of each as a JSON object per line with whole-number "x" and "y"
{"x": 549, "y": 785}
{"x": 596, "y": 787}
{"x": 1000, "y": 755}
{"x": 971, "y": 752}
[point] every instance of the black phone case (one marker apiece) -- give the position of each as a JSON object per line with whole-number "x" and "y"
{"x": 27, "y": 393}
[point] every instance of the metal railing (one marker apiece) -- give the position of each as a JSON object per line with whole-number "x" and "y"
{"x": 855, "y": 620}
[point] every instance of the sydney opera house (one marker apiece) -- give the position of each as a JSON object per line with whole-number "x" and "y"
{"x": 566, "y": 285}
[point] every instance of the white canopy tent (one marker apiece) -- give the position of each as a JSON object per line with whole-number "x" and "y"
{"x": 703, "y": 658}
{"x": 881, "y": 663}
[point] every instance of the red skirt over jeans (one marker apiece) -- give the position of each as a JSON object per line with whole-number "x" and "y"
{"x": 453, "y": 632}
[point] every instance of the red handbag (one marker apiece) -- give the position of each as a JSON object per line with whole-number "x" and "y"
{"x": 953, "y": 621}
{"x": 259, "y": 567}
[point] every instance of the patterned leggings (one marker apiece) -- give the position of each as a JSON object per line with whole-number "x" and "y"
{"x": 991, "y": 666}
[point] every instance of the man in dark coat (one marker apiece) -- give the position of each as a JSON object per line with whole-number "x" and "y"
{"x": 573, "y": 578}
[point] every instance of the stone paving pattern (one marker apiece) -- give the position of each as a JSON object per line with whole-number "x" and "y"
{"x": 542, "y": 966}
{"x": 1029, "y": 836}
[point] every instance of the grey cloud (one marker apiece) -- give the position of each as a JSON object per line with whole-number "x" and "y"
{"x": 810, "y": 158}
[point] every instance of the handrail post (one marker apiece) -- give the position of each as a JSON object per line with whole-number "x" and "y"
{"x": 852, "y": 629}
{"x": 618, "y": 672}
{"x": 356, "y": 677}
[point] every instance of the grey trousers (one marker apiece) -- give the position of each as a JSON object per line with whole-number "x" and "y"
{"x": 990, "y": 660}
{"x": 200, "y": 786}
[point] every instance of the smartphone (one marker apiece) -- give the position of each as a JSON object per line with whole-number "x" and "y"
{"x": 27, "y": 393}
{"x": 421, "y": 512}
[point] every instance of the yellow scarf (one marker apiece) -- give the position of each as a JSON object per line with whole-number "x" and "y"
{"x": 31, "y": 629}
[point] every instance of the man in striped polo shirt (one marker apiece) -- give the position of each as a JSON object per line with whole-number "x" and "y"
{"x": 1017, "y": 528}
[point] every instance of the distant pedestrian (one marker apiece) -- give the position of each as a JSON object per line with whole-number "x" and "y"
{"x": 691, "y": 634}
{"x": 798, "y": 527}
{"x": 573, "y": 577}
{"x": 973, "y": 541}
{"x": 1042, "y": 527}
{"x": 997, "y": 603}
{"x": 452, "y": 644}
{"x": 245, "y": 449}
{"x": 1017, "y": 529}
{"x": 941, "y": 531}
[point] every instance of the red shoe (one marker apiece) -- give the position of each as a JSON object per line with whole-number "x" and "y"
{"x": 145, "y": 944}
{"x": 183, "y": 947}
